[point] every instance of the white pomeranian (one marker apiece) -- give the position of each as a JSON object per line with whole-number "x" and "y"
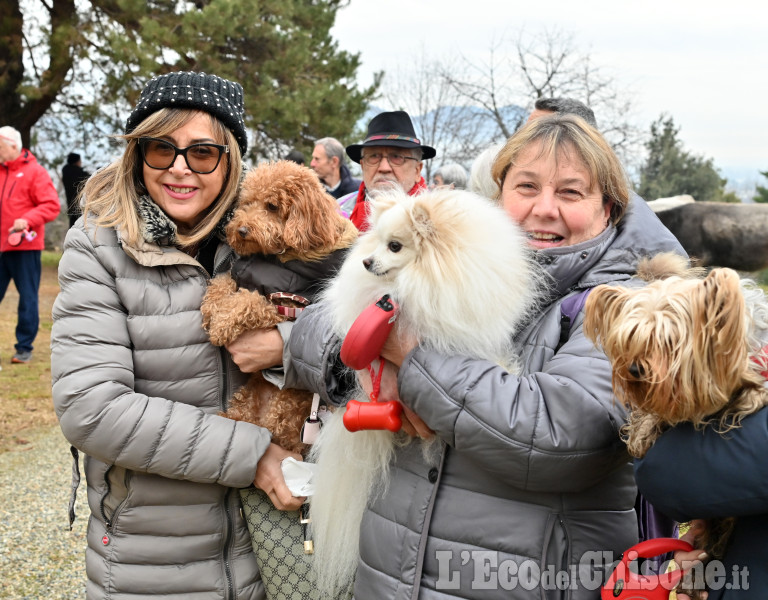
{"x": 464, "y": 278}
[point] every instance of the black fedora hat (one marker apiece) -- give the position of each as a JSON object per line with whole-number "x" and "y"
{"x": 390, "y": 129}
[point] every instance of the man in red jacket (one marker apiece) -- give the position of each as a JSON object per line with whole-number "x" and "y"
{"x": 28, "y": 200}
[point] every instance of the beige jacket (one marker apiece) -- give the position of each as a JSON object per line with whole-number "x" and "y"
{"x": 136, "y": 387}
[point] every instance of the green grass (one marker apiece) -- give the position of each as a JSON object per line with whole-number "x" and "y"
{"x": 50, "y": 259}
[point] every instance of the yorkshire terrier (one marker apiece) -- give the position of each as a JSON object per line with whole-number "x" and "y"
{"x": 687, "y": 347}
{"x": 285, "y": 224}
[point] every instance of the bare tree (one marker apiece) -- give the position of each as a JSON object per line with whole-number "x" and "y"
{"x": 545, "y": 64}
{"x": 488, "y": 85}
{"x": 442, "y": 117}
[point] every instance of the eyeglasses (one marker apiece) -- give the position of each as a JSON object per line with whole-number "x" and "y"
{"x": 396, "y": 160}
{"x": 200, "y": 158}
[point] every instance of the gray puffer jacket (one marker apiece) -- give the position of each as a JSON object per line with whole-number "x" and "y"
{"x": 136, "y": 387}
{"x": 534, "y": 494}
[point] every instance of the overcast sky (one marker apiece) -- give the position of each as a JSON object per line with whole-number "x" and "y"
{"x": 703, "y": 62}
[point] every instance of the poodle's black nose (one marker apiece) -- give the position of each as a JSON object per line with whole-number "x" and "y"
{"x": 243, "y": 231}
{"x": 368, "y": 263}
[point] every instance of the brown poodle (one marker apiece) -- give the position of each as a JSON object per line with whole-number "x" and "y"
{"x": 290, "y": 238}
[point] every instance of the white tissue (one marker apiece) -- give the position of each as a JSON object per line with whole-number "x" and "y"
{"x": 298, "y": 476}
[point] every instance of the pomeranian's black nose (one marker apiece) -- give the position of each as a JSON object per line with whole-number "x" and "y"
{"x": 368, "y": 263}
{"x": 243, "y": 231}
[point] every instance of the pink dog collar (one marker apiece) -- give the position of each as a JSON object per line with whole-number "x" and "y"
{"x": 288, "y": 311}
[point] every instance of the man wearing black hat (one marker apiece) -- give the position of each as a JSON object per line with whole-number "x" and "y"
{"x": 73, "y": 175}
{"x": 390, "y": 155}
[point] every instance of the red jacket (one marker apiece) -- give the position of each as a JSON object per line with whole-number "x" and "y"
{"x": 26, "y": 192}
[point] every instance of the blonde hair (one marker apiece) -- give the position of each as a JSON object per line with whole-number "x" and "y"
{"x": 569, "y": 133}
{"x": 112, "y": 193}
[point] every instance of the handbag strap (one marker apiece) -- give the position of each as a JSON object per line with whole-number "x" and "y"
{"x": 315, "y": 407}
{"x": 569, "y": 308}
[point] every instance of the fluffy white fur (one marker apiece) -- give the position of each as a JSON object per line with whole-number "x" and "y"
{"x": 462, "y": 274}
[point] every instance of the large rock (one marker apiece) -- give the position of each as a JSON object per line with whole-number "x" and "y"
{"x": 719, "y": 234}
{"x": 671, "y": 202}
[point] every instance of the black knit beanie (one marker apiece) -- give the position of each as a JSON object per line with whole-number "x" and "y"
{"x": 219, "y": 97}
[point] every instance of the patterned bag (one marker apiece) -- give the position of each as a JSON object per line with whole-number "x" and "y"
{"x": 278, "y": 542}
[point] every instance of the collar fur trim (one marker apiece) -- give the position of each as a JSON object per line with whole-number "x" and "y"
{"x": 158, "y": 228}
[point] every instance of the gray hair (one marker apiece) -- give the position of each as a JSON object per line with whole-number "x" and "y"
{"x": 332, "y": 148}
{"x": 453, "y": 174}
{"x": 480, "y": 178}
{"x": 11, "y": 135}
{"x": 567, "y": 106}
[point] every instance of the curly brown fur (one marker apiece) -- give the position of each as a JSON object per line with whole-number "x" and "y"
{"x": 681, "y": 350}
{"x": 282, "y": 412}
{"x": 228, "y": 311}
{"x": 282, "y": 210}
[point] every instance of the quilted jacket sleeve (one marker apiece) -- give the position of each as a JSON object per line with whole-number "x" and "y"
{"x": 93, "y": 381}
{"x": 314, "y": 362}
{"x": 554, "y": 429}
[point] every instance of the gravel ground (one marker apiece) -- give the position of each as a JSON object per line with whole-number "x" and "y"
{"x": 39, "y": 556}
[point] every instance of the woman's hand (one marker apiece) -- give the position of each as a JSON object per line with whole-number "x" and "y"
{"x": 397, "y": 347}
{"x": 414, "y": 426}
{"x": 687, "y": 560}
{"x": 269, "y": 477}
{"x": 257, "y": 349}
{"x": 412, "y": 423}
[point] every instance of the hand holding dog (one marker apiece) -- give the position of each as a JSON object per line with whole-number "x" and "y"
{"x": 395, "y": 349}
{"x": 257, "y": 349}
{"x": 269, "y": 477}
{"x": 688, "y": 560}
{"x": 412, "y": 423}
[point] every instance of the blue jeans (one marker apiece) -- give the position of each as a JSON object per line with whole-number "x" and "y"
{"x": 23, "y": 266}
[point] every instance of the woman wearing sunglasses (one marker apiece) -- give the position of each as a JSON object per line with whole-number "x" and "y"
{"x": 136, "y": 384}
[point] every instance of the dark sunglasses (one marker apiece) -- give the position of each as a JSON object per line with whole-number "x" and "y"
{"x": 200, "y": 158}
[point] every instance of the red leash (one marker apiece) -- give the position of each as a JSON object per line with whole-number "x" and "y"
{"x": 376, "y": 379}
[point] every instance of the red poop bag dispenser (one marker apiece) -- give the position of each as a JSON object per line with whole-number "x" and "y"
{"x": 361, "y": 346}
{"x": 626, "y": 584}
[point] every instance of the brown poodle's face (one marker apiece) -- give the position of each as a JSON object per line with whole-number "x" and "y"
{"x": 282, "y": 207}
{"x": 259, "y": 221}
{"x": 678, "y": 347}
